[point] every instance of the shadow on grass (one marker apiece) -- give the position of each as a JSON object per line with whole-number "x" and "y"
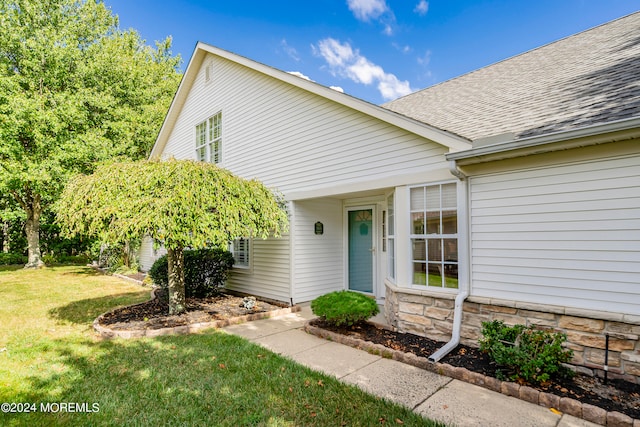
{"x": 80, "y": 270}
{"x": 86, "y": 310}
{"x": 12, "y": 267}
{"x": 206, "y": 379}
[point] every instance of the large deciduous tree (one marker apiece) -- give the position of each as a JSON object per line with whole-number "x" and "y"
{"x": 74, "y": 90}
{"x": 180, "y": 203}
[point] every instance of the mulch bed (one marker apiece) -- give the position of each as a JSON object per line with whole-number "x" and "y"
{"x": 617, "y": 395}
{"x": 153, "y": 314}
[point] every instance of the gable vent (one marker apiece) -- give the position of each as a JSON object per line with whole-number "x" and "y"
{"x": 207, "y": 73}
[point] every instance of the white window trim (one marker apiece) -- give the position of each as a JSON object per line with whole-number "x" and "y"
{"x": 210, "y": 140}
{"x": 248, "y": 267}
{"x": 391, "y": 250}
{"x": 458, "y": 236}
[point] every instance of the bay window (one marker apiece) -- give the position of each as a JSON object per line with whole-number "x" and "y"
{"x": 434, "y": 235}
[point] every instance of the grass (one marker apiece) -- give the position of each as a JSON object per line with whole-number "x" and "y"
{"x": 49, "y": 353}
{"x": 435, "y": 280}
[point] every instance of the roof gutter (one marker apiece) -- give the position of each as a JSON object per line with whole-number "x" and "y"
{"x": 599, "y": 134}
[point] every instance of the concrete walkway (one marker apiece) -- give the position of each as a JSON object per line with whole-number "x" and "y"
{"x": 434, "y": 396}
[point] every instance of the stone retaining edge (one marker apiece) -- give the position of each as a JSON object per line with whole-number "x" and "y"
{"x": 567, "y": 405}
{"x": 106, "y": 332}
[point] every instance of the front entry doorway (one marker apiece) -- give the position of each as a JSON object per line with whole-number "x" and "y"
{"x": 361, "y": 249}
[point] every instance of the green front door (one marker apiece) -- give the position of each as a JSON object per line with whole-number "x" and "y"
{"x": 361, "y": 250}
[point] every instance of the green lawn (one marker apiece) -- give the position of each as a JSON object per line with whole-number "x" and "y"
{"x": 434, "y": 280}
{"x": 49, "y": 354}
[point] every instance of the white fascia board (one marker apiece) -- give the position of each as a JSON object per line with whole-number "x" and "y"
{"x": 588, "y": 135}
{"x": 453, "y": 142}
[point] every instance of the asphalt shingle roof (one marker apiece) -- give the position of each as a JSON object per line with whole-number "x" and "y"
{"x": 589, "y": 78}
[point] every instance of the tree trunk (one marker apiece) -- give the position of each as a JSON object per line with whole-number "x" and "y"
{"x": 175, "y": 261}
{"x": 32, "y": 228}
{"x": 5, "y": 236}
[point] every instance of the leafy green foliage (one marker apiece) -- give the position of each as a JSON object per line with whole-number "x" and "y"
{"x": 74, "y": 90}
{"x": 179, "y": 203}
{"x": 527, "y": 354}
{"x": 11, "y": 258}
{"x": 120, "y": 257}
{"x": 205, "y": 271}
{"x": 344, "y": 307}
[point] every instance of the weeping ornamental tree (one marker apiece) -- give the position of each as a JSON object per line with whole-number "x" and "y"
{"x": 180, "y": 203}
{"x": 74, "y": 90}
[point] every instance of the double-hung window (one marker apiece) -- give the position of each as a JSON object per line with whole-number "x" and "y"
{"x": 241, "y": 251}
{"x": 209, "y": 139}
{"x": 434, "y": 235}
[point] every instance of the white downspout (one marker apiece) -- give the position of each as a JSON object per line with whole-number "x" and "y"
{"x": 462, "y": 295}
{"x": 455, "y": 335}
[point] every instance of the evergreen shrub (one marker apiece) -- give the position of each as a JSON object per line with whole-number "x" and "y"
{"x": 205, "y": 271}
{"x": 525, "y": 354}
{"x": 344, "y": 307}
{"x": 10, "y": 258}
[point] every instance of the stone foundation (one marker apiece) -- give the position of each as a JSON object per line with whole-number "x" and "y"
{"x": 429, "y": 314}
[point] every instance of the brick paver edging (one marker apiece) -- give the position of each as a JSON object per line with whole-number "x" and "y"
{"x": 106, "y": 332}
{"x": 567, "y": 405}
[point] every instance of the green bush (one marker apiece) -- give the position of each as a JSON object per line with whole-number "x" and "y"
{"x": 344, "y": 307}
{"x": 525, "y": 353}
{"x": 205, "y": 271}
{"x": 10, "y": 258}
{"x": 120, "y": 257}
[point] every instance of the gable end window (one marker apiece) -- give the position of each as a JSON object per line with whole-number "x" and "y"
{"x": 241, "y": 251}
{"x": 209, "y": 139}
{"x": 434, "y": 236}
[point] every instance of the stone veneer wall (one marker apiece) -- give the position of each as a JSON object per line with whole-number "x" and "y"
{"x": 423, "y": 313}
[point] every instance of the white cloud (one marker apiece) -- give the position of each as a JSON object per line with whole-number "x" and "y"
{"x": 290, "y": 50}
{"x": 425, "y": 59}
{"x": 365, "y": 10}
{"x": 336, "y": 54}
{"x": 422, "y": 8}
{"x": 299, "y": 74}
{"x": 404, "y": 49}
{"x": 337, "y": 89}
{"x": 346, "y": 62}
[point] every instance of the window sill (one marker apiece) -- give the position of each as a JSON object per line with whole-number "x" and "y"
{"x": 428, "y": 292}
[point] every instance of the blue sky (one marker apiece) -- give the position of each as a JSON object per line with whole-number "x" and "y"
{"x": 376, "y": 50}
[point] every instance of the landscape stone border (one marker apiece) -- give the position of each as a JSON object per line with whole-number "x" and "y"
{"x": 106, "y": 332}
{"x": 566, "y": 405}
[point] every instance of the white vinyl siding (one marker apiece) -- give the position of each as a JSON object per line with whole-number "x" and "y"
{"x": 319, "y": 259}
{"x": 298, "y": 142}
{"x": 294, "y": 140}
{"x": 565, "y": 235}
{"x": 269, "y": 274}
{"x": 147, "y": 254}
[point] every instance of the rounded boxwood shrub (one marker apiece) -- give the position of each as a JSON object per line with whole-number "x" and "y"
{"x": 344, "y": 307}
{"x": 205, "y": 271}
